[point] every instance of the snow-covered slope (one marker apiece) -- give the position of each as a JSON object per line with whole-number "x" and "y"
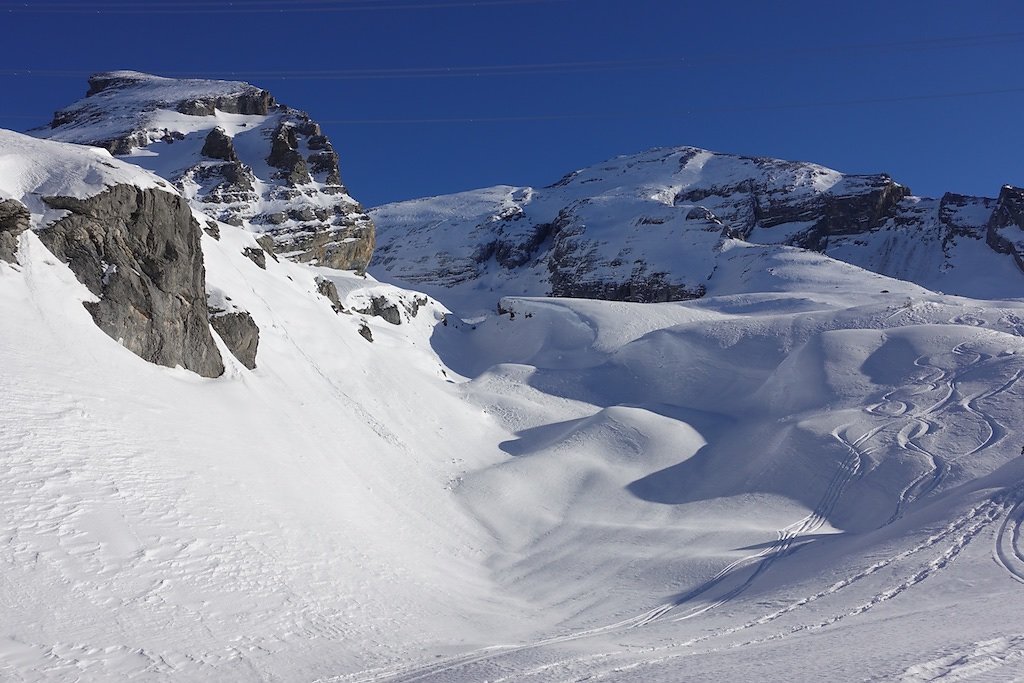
{"x": 231, "y": 150}
{"x": 645, "y": 227}
{"x": 812, "y": 471}
{"x": 611, "y": 490}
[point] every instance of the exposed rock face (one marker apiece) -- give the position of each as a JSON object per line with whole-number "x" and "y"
{"x": 1005, "y": 231}
{"x": 649, "y": 226}
{"x": 218, "y": 146}
{"x": 257, "y": 256}
{"x": 252, "y": 102}
{"x": 849, "y": 214}
{"x": 240, "y": 334}
{"x": 14, "y": 220}
{"x": 383, "y": 308}
{"x": 328, "y": 289}
{"x": 300, "y": 202}
{"x": 138, "y": 251}
{"x": 284, "y": 155}
{"x": 390, "y": 305}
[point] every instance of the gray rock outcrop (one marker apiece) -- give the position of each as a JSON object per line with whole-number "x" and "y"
{"x": 257, "y": 256}
{"x": 329, "y": 290}
{"x": 1005, "y": 231}
{"x": 219, "y": 146}
{"x": 390, "y": 307}
{"x": 138, "y": 251}
{"x": 14, "y": 220}
{"x": 239, "y": 333}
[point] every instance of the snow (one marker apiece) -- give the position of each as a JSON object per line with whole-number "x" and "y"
{"x": 813, "y": 458}
{"x": 31, "y": 169}
{"x": 589, "y": 488}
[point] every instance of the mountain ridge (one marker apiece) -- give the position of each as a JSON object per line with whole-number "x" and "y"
{"x": 646, "y": 226}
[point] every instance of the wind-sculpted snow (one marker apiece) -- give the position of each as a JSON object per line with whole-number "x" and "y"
{"x": 807, "y": 466}
{"x": 647, "y": 227}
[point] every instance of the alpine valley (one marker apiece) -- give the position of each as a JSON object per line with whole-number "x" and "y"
{"x": 682, "y": 415}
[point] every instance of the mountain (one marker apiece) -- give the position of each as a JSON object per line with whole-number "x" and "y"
{"x": 220, "y": 464}
{"x": 648, "y": 227}
{"x": 233, "y": 152}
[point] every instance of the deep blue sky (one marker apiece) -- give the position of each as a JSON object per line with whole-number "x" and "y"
{"x": 726, "y": 76}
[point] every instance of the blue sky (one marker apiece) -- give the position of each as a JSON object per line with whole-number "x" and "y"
{"x": 930, "y": 92}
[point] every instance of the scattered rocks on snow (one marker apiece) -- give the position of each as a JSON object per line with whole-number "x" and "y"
{"x": 384, "y": 307}
{"x": 257, "y": 256}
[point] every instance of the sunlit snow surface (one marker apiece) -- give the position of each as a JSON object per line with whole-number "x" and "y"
{"x": 814, "y": 473}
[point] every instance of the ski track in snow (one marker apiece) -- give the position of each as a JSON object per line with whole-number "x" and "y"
{"x": 1007, "y": 504}
{"x": 1008, "y": 552}
{"x": 960, "y": 533}
{"x": 787, "y": 536}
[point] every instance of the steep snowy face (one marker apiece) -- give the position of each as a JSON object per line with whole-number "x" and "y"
{"x": 234, "y": 153}
{"x": 648, "y": 227}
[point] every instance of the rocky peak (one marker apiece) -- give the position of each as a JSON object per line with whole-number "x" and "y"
{"x": 218, "y": 145}
{"x": 234, "y": 153}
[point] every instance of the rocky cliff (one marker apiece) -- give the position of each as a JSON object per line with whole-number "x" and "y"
{"x": 647, "y": 227}
{"x": 125, "y": 234}
{"x": 1005, "y": 229}
{"x": 138, "y": 252}
{"x": 234, "y": 153}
